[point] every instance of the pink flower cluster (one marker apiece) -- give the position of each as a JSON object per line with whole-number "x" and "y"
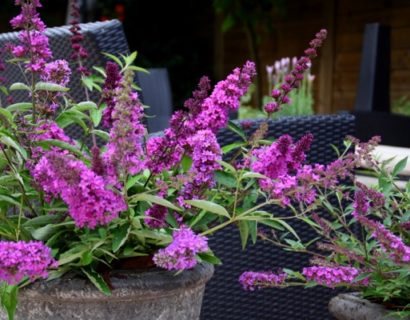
{"x": 124, "y": 150}
{"x": 225, "y": 98}
{"x": 24, "y": 259}
{"x": 281, "y": 163}
{"x": 256, "y": 280}
{"x": 205, "y": 113}
{"x": 391, "y": 243}
{"x": 49, "y": 130}
{"x": 205, "y": 155}
{"x": 332, "y": 276}
{"x": 112, "y": 81}
{"x": 293, "y": 80}
{"x": 57, "y": 72}
{"x": 34, "y": 44}
{"x": 181, "y": 253}
{"x": 79, "y": 51}
{"x": 90, "y": 201}
{"x": 155, "y": 216}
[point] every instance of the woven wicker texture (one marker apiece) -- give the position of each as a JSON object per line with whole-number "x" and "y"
{"x": 224, "y": 298}
{"x": 107, "y": 36}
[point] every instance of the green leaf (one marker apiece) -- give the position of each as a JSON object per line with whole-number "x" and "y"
{"x": 49, "y": 86}
{"x": 288, "y": 227}
{"x": 138, "y": 69}
{"x": 399, "y": 166}
{"x": 232, "y": 146}
{"x": 69, "y": 117}
{"x": 253, "y": 230}
{"x": 227, "y": 166}
{"x": 42, "y": 220}
{"x": 101, "y": 71}
{"x": 21, "y": 106}
{"x": 225, "y": 179}
{"x": 48, "y": 230}
{"x": 237, "y": 129}
{"x": 209, "y": 257}
{"x": 71, "y": 255}
{"x": 46, "y": 144}
{"x": 186, "y": 163}
{"x": 19, "y": 86}
{"x": 209, "y": 206}
{"x": 86, "y": 105}
{"x": 251, "y": 175}
{"x": 45, "y": 232}
{"x": 154, "y": 199}
{"x": 97, "y": 280}
{"x": 294, "y": 274}
{"x": 102, "y": 134}
{"x": 8, "y": 297}
{"x": 120, "y": 236}
{"x": 295, "y": 245}
{"x": 13, "y": 144}
{"x": 112, "y": 57}
{"x": 4, "y": 198}
{"x": 96, "y": 116}
{"x": 244, "y": 233}
{"x": 86, "y": 258}
{"x": 4, "y": 90}
{"x": 6, "y": 114}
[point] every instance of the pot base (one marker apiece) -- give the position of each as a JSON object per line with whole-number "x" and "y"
{"x": 152, "y": 295}
{"x": 348, "y": 306}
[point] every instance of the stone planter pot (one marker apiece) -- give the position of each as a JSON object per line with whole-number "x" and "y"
{"x": 349, "y": 306}
{"x": 150, "y": 295}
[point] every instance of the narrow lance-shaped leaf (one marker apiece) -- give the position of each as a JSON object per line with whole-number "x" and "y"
{"x": 97, "y": 280}
{"x": 49, "y": 86}
{"x": 208, "y": 206}
{"x": 19, "y": 86}
{"x": 154, "y": 199}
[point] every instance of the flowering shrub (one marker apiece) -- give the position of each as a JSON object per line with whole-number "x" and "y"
{"x": 300, "y": 99}
{"x": 363, "y": 235}
{"x": 81, "y": 205}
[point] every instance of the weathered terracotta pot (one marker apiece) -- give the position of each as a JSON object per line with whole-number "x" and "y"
{"x": 150, "y": 295}
{"x": 349, "y": 306}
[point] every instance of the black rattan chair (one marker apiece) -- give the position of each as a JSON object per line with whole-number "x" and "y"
{"x": 224, "y": 298}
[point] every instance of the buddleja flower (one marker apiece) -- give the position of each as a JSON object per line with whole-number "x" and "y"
{"x": 181, "y": 253}
{"x": 391, "y": 243}
{"x": 24, "y": 259}
{"x": 292, "y": 81}
{"x": 155, "y": 216}
{"x": 332, "y": 276}
{"x": 79, "y": 52}
{"x": 124, "y": 151}
{"x": 48, "y": 130}
{"x": 206, "y": 153}
{"x": 256, "y": 280}
{"x": 90, "y": 201}
{"x": 281, "y": 163}
{"x": 34, "y": 44}
{"x": 166, "y": 151}
{"x": 111, "y": 83}
{"x": 225, "y": 98}
{"x": 57, "y": 72}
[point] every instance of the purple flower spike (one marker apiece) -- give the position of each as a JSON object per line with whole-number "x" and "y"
{"x": 180, "y": 254}
{"x": 24, "y": 259}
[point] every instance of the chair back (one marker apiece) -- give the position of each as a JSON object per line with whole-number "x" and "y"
{"x": 158, "y": 96}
